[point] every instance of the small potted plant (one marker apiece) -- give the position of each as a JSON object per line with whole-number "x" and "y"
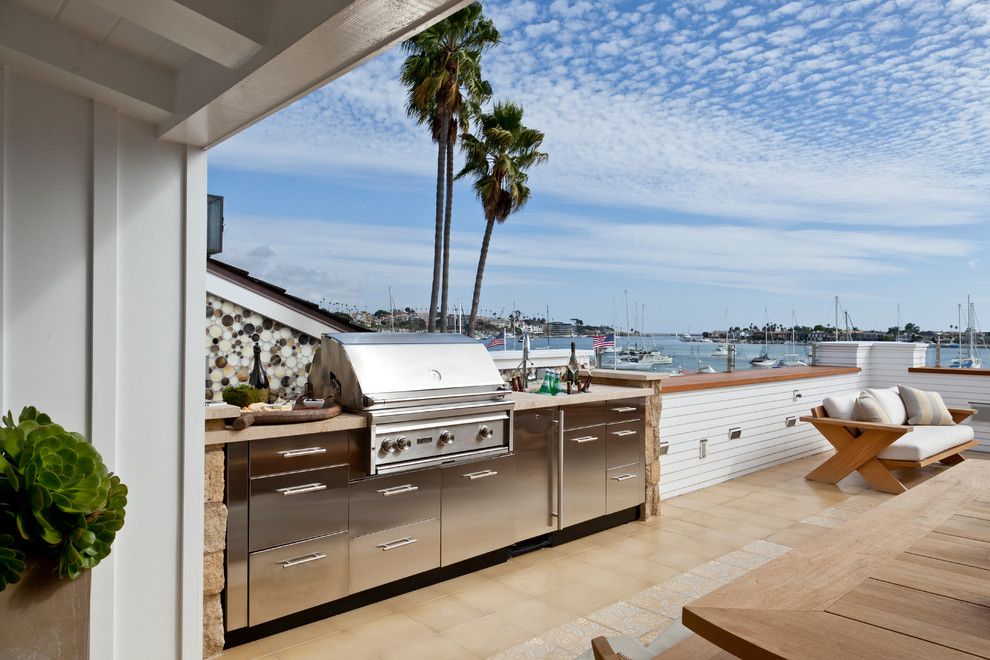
{"x": 60, "y": 510}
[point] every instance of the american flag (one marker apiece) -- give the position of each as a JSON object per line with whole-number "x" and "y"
{"x": 496, "y": 341}
{"x": 603, "y": 341}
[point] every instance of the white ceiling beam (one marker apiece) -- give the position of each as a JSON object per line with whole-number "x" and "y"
{"x": 357, "y": 32}
{"x": 48, "y": 50}
{"x": 222, "y": 43}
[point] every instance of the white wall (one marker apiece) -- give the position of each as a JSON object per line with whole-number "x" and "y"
{"x": 759, "y": 410}
{"x": 94, "y": 307}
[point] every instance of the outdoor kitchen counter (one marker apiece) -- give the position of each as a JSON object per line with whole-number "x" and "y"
{"x": 530, "y": 401}
{"x": 218, "y": 434}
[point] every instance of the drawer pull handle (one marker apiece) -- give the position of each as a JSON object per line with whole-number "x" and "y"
{"x": 623, "y": 477}
{"x": 308, "y": 451}
{"x": 299, "y": 490}
{"x": 624, "y": 409}
{"x": 392, "y": 545}
{"x": 623, "y": 434}
{"x": 480, "y": 475}
{"x": 584, "y": 438}
{"x": 398, "y": 490}
{"x": 316, "y": 556}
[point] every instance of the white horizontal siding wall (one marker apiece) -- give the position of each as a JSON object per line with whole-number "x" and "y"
{"x": 759, "y": 410}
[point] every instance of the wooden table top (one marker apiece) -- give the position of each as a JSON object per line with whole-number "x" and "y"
{"x": 907, "y": 579}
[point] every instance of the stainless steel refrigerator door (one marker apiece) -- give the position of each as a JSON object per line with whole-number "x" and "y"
{"x": 535, "y": 442}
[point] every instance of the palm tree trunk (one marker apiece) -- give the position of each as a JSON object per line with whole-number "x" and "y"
{"x": 431, "y": 323}
{"x": 476, "y": 299}
{"x": 446, "y": 236}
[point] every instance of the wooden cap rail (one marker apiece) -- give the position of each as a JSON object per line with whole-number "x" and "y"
{"x": 691, "y": 382}
{"x": 949, "y": 370}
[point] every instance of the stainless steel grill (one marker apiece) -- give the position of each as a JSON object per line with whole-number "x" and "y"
{"x": 429, "y": 398}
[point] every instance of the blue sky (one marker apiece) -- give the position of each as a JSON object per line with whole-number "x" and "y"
{"x": 704, "y": 156}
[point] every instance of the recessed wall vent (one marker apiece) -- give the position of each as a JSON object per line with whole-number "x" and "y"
{"x": 790, "y": 421}
{"x": 703, "y": 448}
{"x": 735, "y": 433}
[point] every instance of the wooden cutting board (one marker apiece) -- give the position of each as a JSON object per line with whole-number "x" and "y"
{"x": 284, "y": 417}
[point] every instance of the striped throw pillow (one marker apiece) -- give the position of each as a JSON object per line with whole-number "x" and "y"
{"x": 925, "y": 408}
{"x": 869, "y": 409}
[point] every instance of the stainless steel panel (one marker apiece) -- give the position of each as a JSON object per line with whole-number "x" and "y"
{"x": 625, "y": 487}
{"x": 584, "y": 415}
{"x": 236, "y": 589}
{"x": 296, "y": 506}
{"x": 583, "y": 474}
{"x": 535, "y": 493}
{"x": 624, "y": 444}
{"x": 394, "y": 554}
{"x": 435, "y": 438}
{"x": 627, "y": 410}
{"x": 301, "y": 452}
{"x": 295, "y": 577}
{"x": 476, "y": 513}
{"x": 381, "y": 503}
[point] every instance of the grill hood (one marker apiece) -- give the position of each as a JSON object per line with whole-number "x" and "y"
{"x": 388, "y": 370}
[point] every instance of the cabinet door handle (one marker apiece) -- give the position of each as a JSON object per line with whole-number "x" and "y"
{"x": 585, "y": 438}
{"x": 623, "y": 477}
{"x": 623, "y": 434}
{"x": 480, "y": 475}
{"x": 392, "y": 545}
{"x": 308, "y": 451}
{"x": 624, "y": 409}
{"x": 316, "y": 556}
{"x": 299, "y": 490}
{"x": 398, "y": 490}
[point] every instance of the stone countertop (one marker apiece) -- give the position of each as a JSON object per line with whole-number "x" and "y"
{"x": 530, "y": 400}
{"x": 216, "y": 434}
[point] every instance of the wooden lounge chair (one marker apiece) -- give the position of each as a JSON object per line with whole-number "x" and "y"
{"x": 689, "y": 647}
{"x": 874, "y": 449}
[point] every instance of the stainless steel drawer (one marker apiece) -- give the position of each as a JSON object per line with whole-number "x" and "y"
{"x": 625, "y": 487}
{"x": 477, "y": 513}
{"x": 628, "y": 410}
{"x": 291, "y": 507}
{"x": 583, "y": 415}
{"x": 624, "y": 444}
{"x": 300, "y": 452}
{"x": 394, "y": 554}
{"x": 295, "y": 577}
{"x": 582, "y": 475}
{"x": 382, "y": 503}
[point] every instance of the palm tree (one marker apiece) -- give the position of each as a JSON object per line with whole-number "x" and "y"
{"x": 443, "y": 75}
{"x": 497, "y": 159}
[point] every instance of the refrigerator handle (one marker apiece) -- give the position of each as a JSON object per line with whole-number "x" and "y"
{"x": 560, "y": 468}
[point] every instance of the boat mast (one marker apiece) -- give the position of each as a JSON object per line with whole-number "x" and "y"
{"x": 972, "y": 330}
{"x": 837, "y": 318}
{"x": 391, "y": 307}
{"x": 959, "y": 327}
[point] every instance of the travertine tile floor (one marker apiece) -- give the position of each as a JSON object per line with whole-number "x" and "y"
{"x": 632, "y": 579}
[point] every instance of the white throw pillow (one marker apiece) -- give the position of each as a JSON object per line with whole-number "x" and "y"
{"x": 892, "y": 404}
{"x": 841, "y": 406}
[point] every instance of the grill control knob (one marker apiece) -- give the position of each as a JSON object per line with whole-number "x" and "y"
{"x": 485, "y": 433}
{"x": 446, "y": 438}
{"x": 402, "y": 443}
{"x": 388, "y": 446}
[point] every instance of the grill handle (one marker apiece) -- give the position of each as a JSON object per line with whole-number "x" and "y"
{"x": 498, "y": 393}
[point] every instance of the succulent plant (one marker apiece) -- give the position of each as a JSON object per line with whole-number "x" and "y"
{"x": 57, "y": 499}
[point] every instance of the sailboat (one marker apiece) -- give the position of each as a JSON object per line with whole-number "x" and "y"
{"x": 722, "y": 350}
{"x": 765, "y": 361}
{"x": 793, "y": 359}
{"x": 972, "y": 359}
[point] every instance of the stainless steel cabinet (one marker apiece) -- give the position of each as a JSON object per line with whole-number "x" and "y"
{"x": 295, "y": 577}
{"x": 476, "y": 513}
{"x": 393, "y": 554}
{"x": 391, "y": 501}
{"x": 535, "y": 435}
{"x": 624, "y": 487}
{"x": 296, "y": 506}
{"x": 582, "y": 473}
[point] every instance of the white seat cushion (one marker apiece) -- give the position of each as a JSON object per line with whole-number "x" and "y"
{"x": 892, "y": 403}
{"x": 840, "y": 406}
{"x": 925, "y": 441}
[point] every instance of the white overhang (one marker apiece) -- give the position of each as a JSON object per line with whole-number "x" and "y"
{"x": 202, "y": 70}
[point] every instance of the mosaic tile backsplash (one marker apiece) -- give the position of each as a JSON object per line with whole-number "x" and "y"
{"x": 231, "y": 333}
